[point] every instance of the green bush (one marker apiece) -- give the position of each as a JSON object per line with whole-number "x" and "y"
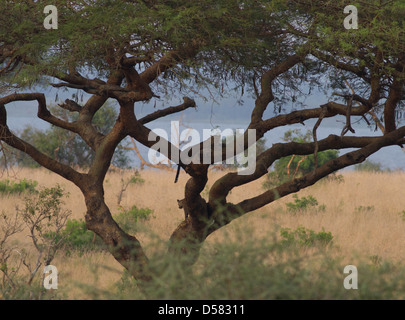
{"x": 136, "y": 178}
{"x": 79, "y": 237}
{"x": 248, "y": 268}
{"x": 292, "y": 166}
{"x": 303, "y": 204}
{"x": 43, "y": 217}
{"x": 24, "y": 186}
{"x": 305, "y": 237}
{"x": 263, "y": 270}
{"x": 76, "y": 237}
{"x": 128, "y": 219}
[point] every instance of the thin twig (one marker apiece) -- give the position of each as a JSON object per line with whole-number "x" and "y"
{"x": 348, "y": 126}
{"x": 317, "y": 124}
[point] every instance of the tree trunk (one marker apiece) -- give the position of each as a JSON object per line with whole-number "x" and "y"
{"x": 187, "y": 239}
{"x": 125, "y": 248}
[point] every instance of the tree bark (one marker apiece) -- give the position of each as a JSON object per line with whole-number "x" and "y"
{"x": 126, "y": 249}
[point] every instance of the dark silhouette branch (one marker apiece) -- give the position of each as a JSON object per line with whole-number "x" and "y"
{"x": 394, "y": 97}
{"x": 331, "y": 166}
{"x": 221, "y": 188}
{"x": 188, "y": 103}
{"x": 168, "y": 61}
{"x": 266, "y": 94}
{"x": 8, "y": 137}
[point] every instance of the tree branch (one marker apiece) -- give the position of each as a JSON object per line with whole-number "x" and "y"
{"x": 188, "y": 103}
{"x": 71, "y": 106}
{"x": 266, "y": 94}
{"x": 168, "y": 61}
{"x": 8, "y": 137}
{"x": 331, "y": 166}
{"x": 394, "y": 97}
{"x": 221, "y": 188}
{"x": 358, "y": 71}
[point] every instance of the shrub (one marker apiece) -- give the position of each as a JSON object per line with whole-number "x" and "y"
{"x": 303, "y": 204}
{"x": 127, "y": 219}
{"x": 80, "y": 238}
{"x": 24, "y": 186}
{"x": 292, "y": 166}
{"x": 305, "y": 237}
{"x": 134, "y": 179}
{"x": 263, "y": 270}
{"x": 44, "y": 218}
{"x": 250, "y": 269}
{"x": 76, "y": 237}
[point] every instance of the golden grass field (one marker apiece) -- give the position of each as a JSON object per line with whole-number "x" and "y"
{"x": 379, "y": 232}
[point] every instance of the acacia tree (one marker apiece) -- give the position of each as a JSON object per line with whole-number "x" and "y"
{"x": 135, "y": 51}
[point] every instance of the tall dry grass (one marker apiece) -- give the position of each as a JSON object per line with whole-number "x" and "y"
{"x": 376, "y": 231}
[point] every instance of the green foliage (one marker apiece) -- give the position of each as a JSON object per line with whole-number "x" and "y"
{"x": 305, "y": 237}
{"x": 22, "y": 291}
{"x": 295, "y": 165}
{"x": 90, "y": 29}
{"x": 303, "y": 204}
{"x": 44, "y": 218}
{"x": 56, "y": 228}
{"x": 381, "y": 27}
{"x": 48, "y": 201}
{"x": 126, "y": 284}
{"x": 136, "y": 178}
{"x": 23, "y": 186}
{"x": 68, "y": 147}
{"x": 263, "y": 270}
{"x": 246, "y": 269}
{"x": 233, "y": 39}
{"x": 128, "y": 219}
{"x": 78, "y": 238}
{"x": 306, "y": 166}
